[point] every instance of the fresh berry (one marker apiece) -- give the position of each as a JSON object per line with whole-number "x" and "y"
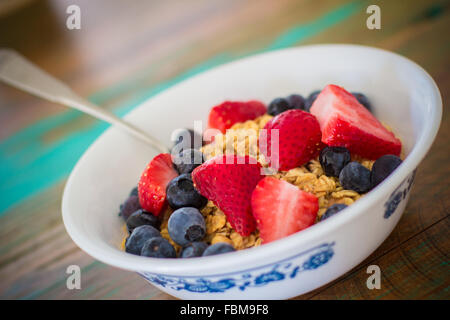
{"x": 181, "y": 193}
{"x": 224, "y": 115}
{"x": 138, "y": 237}
{"x": 158, "y": 247}
{"x": 280, "y": 105}
{"x": 346, "y": 123}
{"x": 153, "y": 183}
{"x": 218, "y": 248}
{"x": 383, "y": 167}
{"x": 310, "y": 100}
{"x": 332, "y": 210}
{"x": 277, "y": 106}
{"x": 354, "y": 176}
{"x": 140, "y": 218}
{"x": 194, "y": 249}
{"x": 281, "y": 209}
{"x": 129, "y": 206}
{"x": 188, "y": 160}
{"x": 296, "y": 101}
{"x": 299, "y": 139}
{"x": 363, "y": 100}
{"x": 333, "y": 160}
{"x": 228, "y": 181}
{"x": 186, "y": 225}
{"x": 134, "y": 192}
{"x": 186, "y": 139}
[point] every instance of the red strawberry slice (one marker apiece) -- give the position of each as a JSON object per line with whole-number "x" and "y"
{"x": 281, "y": 209}
{"x": 224, "y": 115}
{"x": 153, "y": 183}
{"x": 299, "y": 139}
{"x": 346, "y": 123}
{"x": 228, "y": 181}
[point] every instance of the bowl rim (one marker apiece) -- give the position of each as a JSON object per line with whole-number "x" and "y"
{"x": 260, "y": 254}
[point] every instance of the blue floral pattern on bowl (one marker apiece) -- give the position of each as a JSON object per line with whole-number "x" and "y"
{"x": 399, "y": 194}
{"x": 255, "y": 277}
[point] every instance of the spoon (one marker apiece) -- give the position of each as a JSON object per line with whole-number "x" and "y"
{"x": 18, "y": 72}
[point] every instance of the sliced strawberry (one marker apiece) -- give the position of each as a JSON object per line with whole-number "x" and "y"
{"x": 346, "y": 123}
{"x": 281, "y": 209}
{"x": 299, "y": 139}
{"x": 224, "y": 115}
{"x": 228, "y": 181}
{"x": 153, "y": 183}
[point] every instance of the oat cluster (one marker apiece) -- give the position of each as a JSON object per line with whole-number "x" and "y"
{"x": 241, "y": 139}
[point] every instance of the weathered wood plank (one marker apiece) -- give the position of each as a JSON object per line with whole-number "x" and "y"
{"x": 164, "y": 40}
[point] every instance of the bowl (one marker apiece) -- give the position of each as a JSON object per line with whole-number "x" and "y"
{"x": 404, "y": 97}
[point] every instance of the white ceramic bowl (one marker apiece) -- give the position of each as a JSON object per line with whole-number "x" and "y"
{"x": 403, "y": 95}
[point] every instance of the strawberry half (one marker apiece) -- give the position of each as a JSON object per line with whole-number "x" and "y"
{"x": 281, "y": 209}
{"x": 299, "y": 139}
{"x": 346, "y": 123}
{"x": 152, "y": 185}
{"x": 228, "y": 181}
{"x": 224, "y": 115}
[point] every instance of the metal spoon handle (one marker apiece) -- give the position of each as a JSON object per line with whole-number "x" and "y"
{"x": 22, "y": 74}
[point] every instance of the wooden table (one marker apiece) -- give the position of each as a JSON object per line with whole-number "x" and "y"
{"x": 128, "y": 51}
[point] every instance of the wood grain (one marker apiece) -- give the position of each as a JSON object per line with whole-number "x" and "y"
{"x": 125, "y": 53}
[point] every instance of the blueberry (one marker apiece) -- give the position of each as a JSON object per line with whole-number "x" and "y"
{"x": 129, "y": 206}
{"x": 363, "y": 100}
{"x": 194, "y": 249}
{"x": 383, "y": 167}
{"x": 333, "y": 209}
{"x": 186, "y": 225}
{"x": 355, "y": 177}
{"x": 333, "y": 160}
{"x": 138, "y": 237}
{"x": 181, "y": 193}
{"x": 140, "y": 218}
{"x": 277, "y": 106}
{"x": 134, "y": 191}
{"x": 296, "y": 101}
{"x": 158, "y": 247}
{"x": 188, "y": 160}
{"x": 310, "y": 100}
{"x": 218, "y": 248}
{"x": 186, "y": 139}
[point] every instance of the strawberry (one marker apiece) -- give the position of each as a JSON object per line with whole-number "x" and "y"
{"x": 153, "y": 182}
{"x": 228, "y": 181}
{"x": 346, "y": 123}
{"x": 281, "y": 209}
{"x": 224, "y": 115}
{"x": 299, "y": 139}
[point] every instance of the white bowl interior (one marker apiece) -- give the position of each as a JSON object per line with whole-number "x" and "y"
{"x": 403, "y": 96}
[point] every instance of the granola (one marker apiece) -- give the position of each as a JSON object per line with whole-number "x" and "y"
{"x": 242, "y": 139}
{"x": 301, "y": 134}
